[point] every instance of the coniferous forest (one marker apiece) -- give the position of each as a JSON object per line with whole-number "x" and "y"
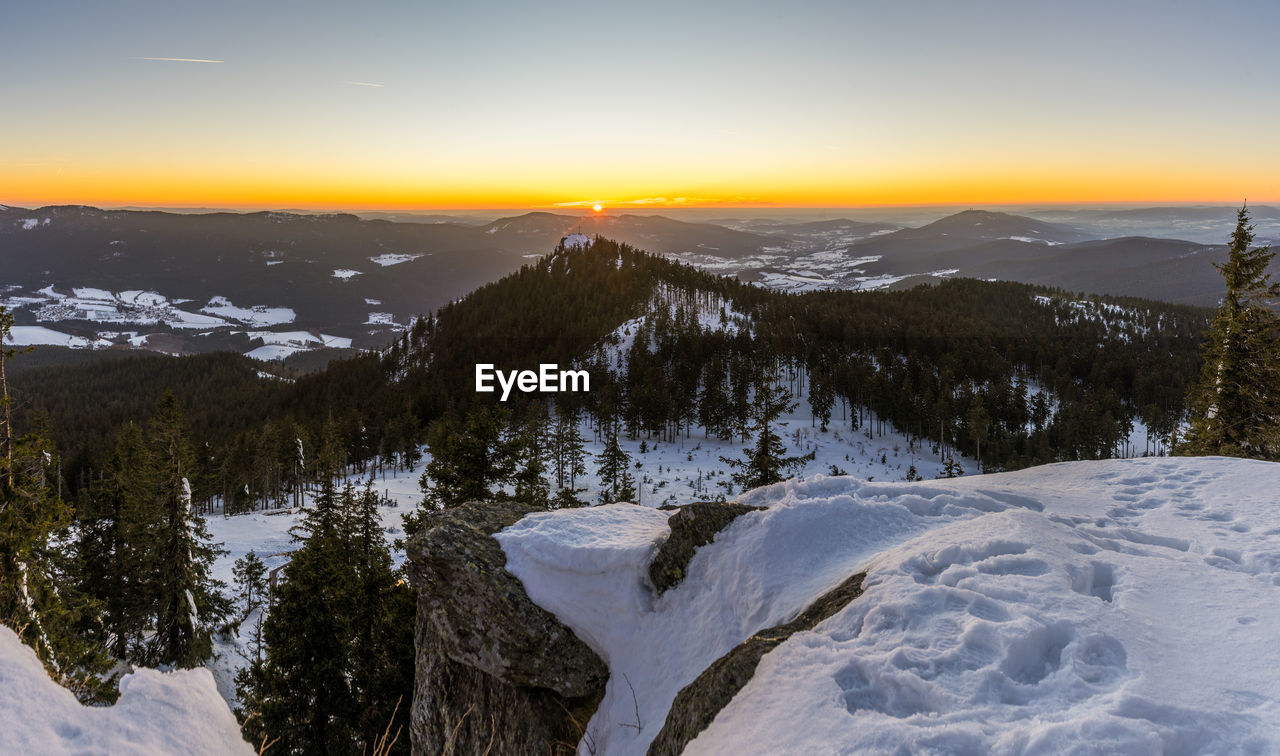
{"x": 1013, "y": 374}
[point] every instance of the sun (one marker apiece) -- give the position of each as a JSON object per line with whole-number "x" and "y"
{"x": 597, "y": 207}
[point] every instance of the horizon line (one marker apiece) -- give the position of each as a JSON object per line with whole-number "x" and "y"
{"x": 625, "y": 208}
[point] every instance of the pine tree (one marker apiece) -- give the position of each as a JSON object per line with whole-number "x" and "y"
{"x": 382, "y": 653}
{"x": 613, "y": 464}
{"x": 466, "y": 465}
{"x": 37, "y": 599}
{"x": 339, "y": 636}
{"x": 251, "y": 583}
{"x": 979, "y": 425}
{"x": 527, "y": 446}
{"x": 766, "y": 463}
{"x": 189, "y": 604}
{"x": 1235, "y": 405}
{"x": 821, "y": 398}
{"x": 952, "y": 469}
{"x": 301, "y": 692}
{"x": 37, "y": 596}
{"x": 116, "y": 518}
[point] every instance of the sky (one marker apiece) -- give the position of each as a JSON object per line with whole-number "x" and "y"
{"x": 483, "y": 104}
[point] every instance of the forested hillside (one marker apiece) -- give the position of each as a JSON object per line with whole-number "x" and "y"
{"x": 1012, "y": 374}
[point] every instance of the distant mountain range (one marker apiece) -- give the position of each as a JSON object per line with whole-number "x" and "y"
{"x": 273, "y": 284}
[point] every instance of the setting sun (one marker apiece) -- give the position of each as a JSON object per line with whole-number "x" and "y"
{"x": 597, "y": 207}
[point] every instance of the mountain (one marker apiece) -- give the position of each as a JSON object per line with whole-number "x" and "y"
{"x": 966, "y": 229}
{"x": 185, "y": 282}
{"x": 1207, "y": 224}
{"x": 540, "y": 231}
{"x": 1166, "y": 269}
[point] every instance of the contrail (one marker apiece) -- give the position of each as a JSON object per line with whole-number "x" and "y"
{"x": 184, "y": 60}
{"x": 365, "y": 84}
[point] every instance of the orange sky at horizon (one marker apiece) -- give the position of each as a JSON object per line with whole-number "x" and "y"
{"x": 339, "y": 193}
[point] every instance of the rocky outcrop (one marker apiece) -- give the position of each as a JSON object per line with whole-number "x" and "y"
{"x": 692, "y": 526}
{"x": 496, "y": 673}
{"x": 698, "y": 703}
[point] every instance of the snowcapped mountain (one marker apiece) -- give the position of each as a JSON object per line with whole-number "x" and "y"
{"x": 1126, "y": 606}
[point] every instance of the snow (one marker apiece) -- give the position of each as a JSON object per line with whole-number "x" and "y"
{"x": 300, "y": 339}
{"x": 88, "y": 292}
{"x": 1032, "y": 240}
{"x": 381, "y": 318}
{"x": 278, "y": 345}
{"x": 183, "y": 319}
{"x": 258, "y": 315}
{"x": 173, "y": 712}
{"x": 392, "y": 259}
{"x": 271, "y": 352}
{"x": 1122, "y": 605}
{"x": 134, "y": 306}
{"x": 39, "y": 335}
{"x": 346, "y": 274}
{"x": 30, "y": 223}
{"x": 576, "y": 240}
{"x": 142, "y": 298}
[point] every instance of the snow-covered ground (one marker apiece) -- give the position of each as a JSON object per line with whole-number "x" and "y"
{"x": 278, "y": 345}
{"x": 673, "y": 473}
{"x": 37, "y": 335}
{"x": 158, "y": 712}
{"x": 258, "y": 315}
{"x": 395, "y": 259}
{"x": 1123, "y": 606}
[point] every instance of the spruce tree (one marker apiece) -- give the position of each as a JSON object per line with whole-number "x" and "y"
{"x": 526, "y": 444}
{"x": 301, "y": 692}
{"x": 765, "y": 463}
{"x": 382, "y": 652}
{"x": 338, "y": 635}
{"x": 1235, "y": 405}
{"x": 189, "y": 604}
{"x": 251, "y": 583}
{"x": 116, "y": 518}
{"x": 37, "y": 598}
{"x": 613, "y": 464}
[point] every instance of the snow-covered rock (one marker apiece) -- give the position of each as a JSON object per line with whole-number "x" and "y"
{"x": 1121, "y": 606}
{"x": 158, "y": 712}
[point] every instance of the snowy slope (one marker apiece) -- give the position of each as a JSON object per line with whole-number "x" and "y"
{"x": 175, "y": 712}
{"x": 676, "y": 472}
{"x": 1121, "y": 606}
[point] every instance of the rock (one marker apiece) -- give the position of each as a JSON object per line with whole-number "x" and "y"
{"x": 698, "y": 703}
{"x": 692, "y": 526}
{"x": 495, "y": 672}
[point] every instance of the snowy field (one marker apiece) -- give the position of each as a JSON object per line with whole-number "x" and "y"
{"x": 1123, "y": 606}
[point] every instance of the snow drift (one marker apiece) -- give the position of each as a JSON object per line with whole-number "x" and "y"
{"x": 1125, "y": 605}
{"x": 158, "y": 712}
